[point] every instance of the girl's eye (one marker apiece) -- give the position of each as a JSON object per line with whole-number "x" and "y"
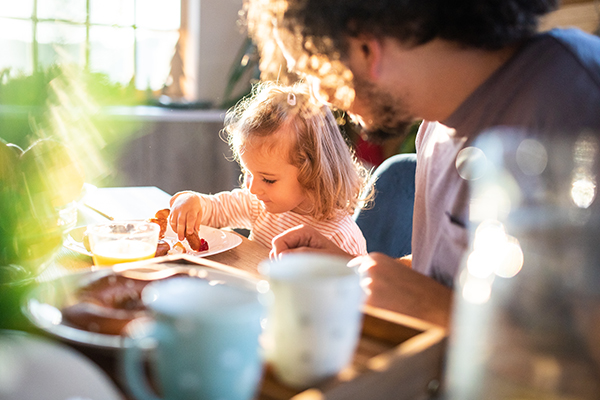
{"x": 268, "y": 181}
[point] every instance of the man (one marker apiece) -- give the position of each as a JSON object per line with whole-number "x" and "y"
{"x": 467, "y": 69}
{"x": 463, "y": 67}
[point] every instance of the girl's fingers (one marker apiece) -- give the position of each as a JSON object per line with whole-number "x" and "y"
{"x": 197, "y": 225}
{"x": 190, "y": 223}
{"x": 185, "y": 217}
{"x": 173, "y": 222}
{"x": 181, "y": 226}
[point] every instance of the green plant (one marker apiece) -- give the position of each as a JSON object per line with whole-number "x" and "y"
{"x": 24, "y": 99}
{"x": 243, "y": 73}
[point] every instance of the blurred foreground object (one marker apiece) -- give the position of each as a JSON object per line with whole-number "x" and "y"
{"x": 52, "y": 171}
{"x": 35, "y": 185}
{"x": 527, "y": 317}
{"x": 36, "y": 368}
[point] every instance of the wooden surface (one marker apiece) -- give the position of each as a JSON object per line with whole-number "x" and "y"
{"x": 397, "y": 358}
{"x": 404, "y": 335}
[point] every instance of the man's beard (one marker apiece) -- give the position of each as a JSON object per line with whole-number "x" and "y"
{"x": 390, "y": 118}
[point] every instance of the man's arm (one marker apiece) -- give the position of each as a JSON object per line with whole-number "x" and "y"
{"x": 395, "y": 286}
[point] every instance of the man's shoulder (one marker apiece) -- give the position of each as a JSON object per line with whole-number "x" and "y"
{"x": 431, "y": 132}
{"x": 584, "y": 47}
{"x": 573, "y": 37}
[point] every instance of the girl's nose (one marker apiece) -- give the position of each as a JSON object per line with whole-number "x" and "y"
{"x": 252, "y": 185}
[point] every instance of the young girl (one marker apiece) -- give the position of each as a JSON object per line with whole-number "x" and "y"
{"x": 297, "y": 170}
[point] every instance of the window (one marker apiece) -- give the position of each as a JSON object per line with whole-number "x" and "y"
{"x": 124, "y": 39}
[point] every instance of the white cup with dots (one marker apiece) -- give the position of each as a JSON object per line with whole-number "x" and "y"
{"x": 314, "y": 317}
{"x": 202, "y": 341}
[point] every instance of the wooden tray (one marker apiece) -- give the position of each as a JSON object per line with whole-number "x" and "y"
{"x": 398, "y": 357}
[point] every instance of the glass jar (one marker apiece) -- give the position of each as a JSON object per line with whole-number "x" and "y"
{"x": 526, "y": 320}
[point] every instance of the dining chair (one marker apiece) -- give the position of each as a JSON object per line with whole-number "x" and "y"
{"x": 387, "y": 224}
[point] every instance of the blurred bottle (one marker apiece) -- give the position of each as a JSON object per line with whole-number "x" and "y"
{"x": 527, "y": 312}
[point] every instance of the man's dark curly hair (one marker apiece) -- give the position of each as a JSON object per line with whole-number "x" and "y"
{"x": 314, "y": 32}
{"x": 485, "y": 24}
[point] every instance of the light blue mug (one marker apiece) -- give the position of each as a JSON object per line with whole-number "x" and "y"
{"x": 202, "y": 342}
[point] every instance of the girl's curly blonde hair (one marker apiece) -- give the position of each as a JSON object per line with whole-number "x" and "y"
{"x": 328, "y": 170}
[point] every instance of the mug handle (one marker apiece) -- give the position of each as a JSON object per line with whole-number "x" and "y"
{"x": 135, "y": 378}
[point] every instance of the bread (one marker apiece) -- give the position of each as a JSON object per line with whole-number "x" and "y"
{"x": 196, "y": 243}
{"x": 162, "y": 248}
{"x": 162, "y": 219}
{"x": 107, "y": 305}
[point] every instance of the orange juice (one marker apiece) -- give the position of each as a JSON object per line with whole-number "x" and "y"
{"x": 121, "y": 251}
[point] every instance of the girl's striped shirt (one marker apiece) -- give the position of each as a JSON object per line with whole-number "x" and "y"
{"x": 241, "y": 209}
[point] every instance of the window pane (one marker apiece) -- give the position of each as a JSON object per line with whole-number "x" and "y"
{"x": 70, "y": 10}
{"x": 15, "y": 46}
{"x": 111, "y": 52}
{"x": 112, "y": 12}
{"x": 60, "y": 43}
{"x": 158, "y": 14}
{"x": 16, "y": 8}
{"x": 155, "y": 50}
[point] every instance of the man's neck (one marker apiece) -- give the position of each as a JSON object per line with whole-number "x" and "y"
{"x": 441, "y": 75}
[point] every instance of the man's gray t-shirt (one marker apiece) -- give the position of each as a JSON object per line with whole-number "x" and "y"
{"x": 550, "y": 87}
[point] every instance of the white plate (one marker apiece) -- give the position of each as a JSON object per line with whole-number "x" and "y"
{"x": 218, "y": 241}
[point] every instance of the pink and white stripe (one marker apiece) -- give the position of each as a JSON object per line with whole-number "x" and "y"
{"x": 241, "y": 209}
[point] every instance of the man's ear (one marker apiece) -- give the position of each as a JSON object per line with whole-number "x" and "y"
{"x": 364, "y": 54}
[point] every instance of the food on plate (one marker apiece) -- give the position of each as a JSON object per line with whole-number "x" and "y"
{"x": 162, "y": 248}
{"x": 196, "y": 243}
{"x": 107, "y": 304}
{"x": 162, "y": 219}
{"x": 178, "y": 248}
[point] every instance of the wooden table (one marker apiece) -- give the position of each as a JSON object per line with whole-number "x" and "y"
{"x": 420, "y": 304}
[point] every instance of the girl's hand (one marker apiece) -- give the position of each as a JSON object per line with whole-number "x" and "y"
{"x": 186, "y": 214}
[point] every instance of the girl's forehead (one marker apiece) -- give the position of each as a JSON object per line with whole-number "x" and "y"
{"x": 266, "y": 156}
{"x": 280, "y": 143}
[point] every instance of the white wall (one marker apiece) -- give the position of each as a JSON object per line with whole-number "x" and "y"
{"x": 214, "y": 39}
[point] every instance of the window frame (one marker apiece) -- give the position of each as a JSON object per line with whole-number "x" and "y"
{"x": 36, "y": 20}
